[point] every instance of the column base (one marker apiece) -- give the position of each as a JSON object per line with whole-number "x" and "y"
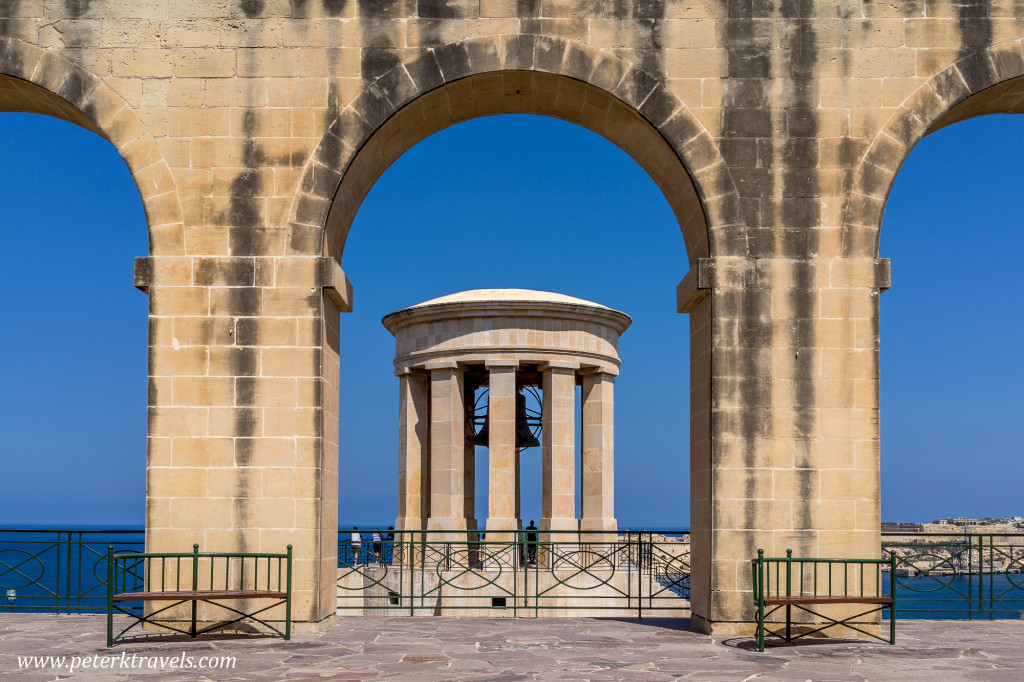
{"x": 502, "y": 530}
{"x": 446, "y": 530}
{"x": 307, "y": 626}
{"x": 598, "y": 530}
{"x": 560, "y": 524}
{"x": 409, "y": 523}
{"x": 446, "y": 524}
{"x": 555, "y": 546}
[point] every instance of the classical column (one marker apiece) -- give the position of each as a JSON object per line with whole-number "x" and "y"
{"x": 413, "y": 451}
{"x": 468, "y": 470}
{"x": 447, "y": 447}
{"x": 501, "y": 451}
{"x": 559, "y": 459}
{"x": 598, "y": 455}
{"x": 469, "y": 487}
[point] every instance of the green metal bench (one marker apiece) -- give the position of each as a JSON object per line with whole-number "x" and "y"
{"x": 208, "y": 577}
{"x": 798, "y": 583}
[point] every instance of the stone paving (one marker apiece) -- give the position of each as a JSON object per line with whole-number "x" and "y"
{"x": 524, "y": 649}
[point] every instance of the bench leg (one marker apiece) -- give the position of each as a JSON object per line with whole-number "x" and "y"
{"x": 789, "y": 614}
{"x": 193, "y": 631}
{"x": 759, "y": 634}
{"x": 892, "y": 622}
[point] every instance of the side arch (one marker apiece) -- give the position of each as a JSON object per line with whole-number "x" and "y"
{"x": 514, "y": 74}
{"x": 989, "y": 81}
{"x": 34, "y": 80}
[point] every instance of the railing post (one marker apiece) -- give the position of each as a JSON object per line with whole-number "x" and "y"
{"x": 789, "y": 592}
{"x": 981, "y": 574}
{"x": 288, "y": 599}
{"x": 515, "y": 577}
{"x": 67, "y": 582}
{"x": 110, "y": 595}
{"x": 544, "y": 553}
{"x": 78, "y": 592}
{"x": 759, "y": 596}
{"x": 195, "y": 583}
{"x": 56, "y": 588}
{"x": 991, "y": 571}
{"x": 892, "y": 595}
{"x": 640, "y": 578}
{"x": 629, "y": 569}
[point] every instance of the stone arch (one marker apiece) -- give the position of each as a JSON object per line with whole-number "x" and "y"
{"x": 989, "y": 81}
{"x": 514, "y": 74}
{"x": 33, "y": 80}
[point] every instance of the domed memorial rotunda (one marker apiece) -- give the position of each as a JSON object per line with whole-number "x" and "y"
{"x": 465, "y": 363}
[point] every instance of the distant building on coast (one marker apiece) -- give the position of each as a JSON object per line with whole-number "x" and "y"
{"x": 959, "y": 524}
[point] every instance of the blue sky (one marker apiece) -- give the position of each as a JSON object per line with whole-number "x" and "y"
{"x": 529, "y": 202}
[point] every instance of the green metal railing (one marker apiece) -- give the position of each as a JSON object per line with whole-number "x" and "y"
{"x": 135, "y": 578}
{"x": 428, "y": 572}
{"x": 799, "y": 586}
{"x": 968, "y": 575}
{"x": 59, "y": 570}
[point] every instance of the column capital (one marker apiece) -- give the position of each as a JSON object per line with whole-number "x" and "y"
{"x": 501, "y": 363}
{"x": 434, "y": 365}
{"x": 412, "y": 372}
{"x": 605, "y": 372}
{"x": 545, "y": 366}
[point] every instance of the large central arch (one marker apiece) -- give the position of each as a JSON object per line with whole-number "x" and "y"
{"x": 554, "y": 77}
{"x": 516, "y": 74}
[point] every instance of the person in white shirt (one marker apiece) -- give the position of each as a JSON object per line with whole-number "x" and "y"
{"x": 355, "y": 539}
{"x": 378, "y": 545}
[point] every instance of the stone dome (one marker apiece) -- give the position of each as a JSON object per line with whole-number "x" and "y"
{"x": 514, "y": 295}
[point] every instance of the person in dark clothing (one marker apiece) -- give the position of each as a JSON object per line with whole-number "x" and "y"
{"x": 389, "y": 544}
{"x": 531, "y": 543}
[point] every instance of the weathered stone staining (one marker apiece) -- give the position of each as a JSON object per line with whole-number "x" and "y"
{"x": 502, "y": 340}
{"x": 254, "y": 129}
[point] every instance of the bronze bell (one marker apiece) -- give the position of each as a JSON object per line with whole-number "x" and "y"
{"x": 524, "y": 435}
{"x": 482, "y": 438}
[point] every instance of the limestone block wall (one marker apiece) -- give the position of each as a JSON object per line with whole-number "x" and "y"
{"x": 253, "y": 128}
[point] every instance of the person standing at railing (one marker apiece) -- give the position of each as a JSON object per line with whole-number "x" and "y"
{"x": 531, "y": 543}
{"x": 355, "y": 540}
{"x": 389, "y": 545}
{"x": 378, "y": 546}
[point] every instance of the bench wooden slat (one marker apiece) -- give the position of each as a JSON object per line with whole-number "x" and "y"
{"x": 196, "y": 595}
{"x": 790, "y": 601}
